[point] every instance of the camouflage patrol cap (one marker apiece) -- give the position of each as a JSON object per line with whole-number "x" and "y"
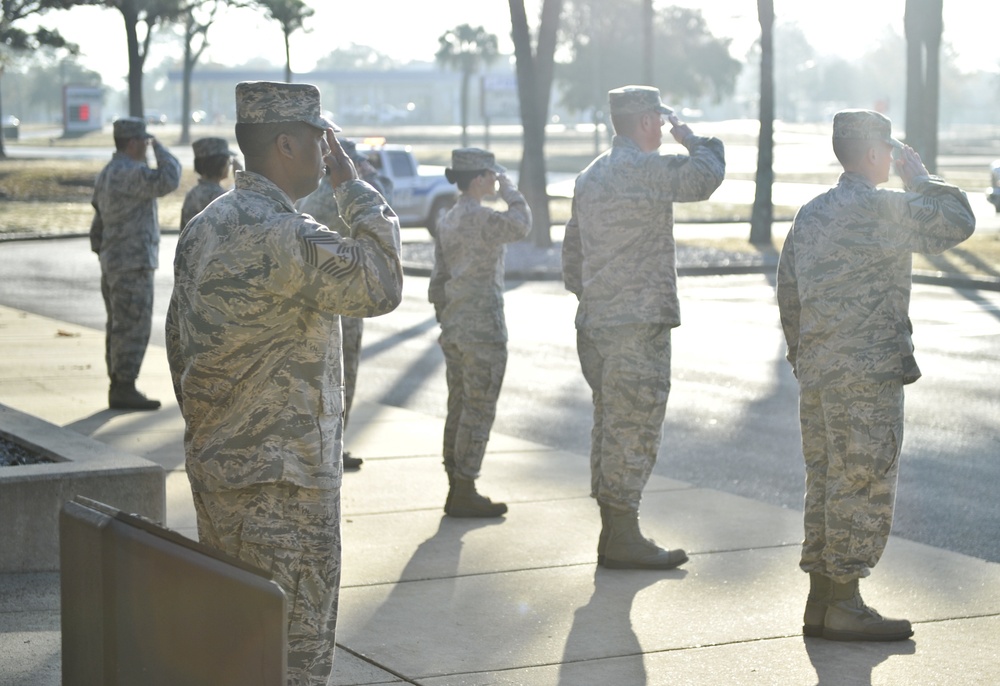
{"x": 865, "y": 125}
{"x": 130, "y": 127}
{"x": 474, "y": 159}
{"x": 636, "y": 100}
{"x": 272, "y": 102}
{"x": 351, "y": 148}
{"x": 209, "y": 147}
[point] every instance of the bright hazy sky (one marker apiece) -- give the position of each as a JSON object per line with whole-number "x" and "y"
{"x": 405, "y": 29}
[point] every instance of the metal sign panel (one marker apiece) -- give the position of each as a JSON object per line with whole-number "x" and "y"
{"x": 499, "y": 97}
{"x": 82, "y": 109}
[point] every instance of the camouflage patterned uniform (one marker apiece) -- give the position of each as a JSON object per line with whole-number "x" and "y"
{"x": 253, "y": 340}
{"x": 843, "y": 291}
{"x": 619, "y": 260}
{"x": 198, "y": 198}
{"x": 466, "y": 288}
{"x": 125, "y": 233}
{"x": 206, "y": 189}
{"x": 322, "y": 206}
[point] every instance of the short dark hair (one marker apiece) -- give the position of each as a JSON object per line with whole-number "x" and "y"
{"x": 850, "y": 151}
{"x": 626, "y": 123}
{"x": 462, "y": 178}
{"x": 254, "y": 139}
{"x": 213, "y": 166}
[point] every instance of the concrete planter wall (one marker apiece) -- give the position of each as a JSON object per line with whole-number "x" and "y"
{"x": 32, "y": 495}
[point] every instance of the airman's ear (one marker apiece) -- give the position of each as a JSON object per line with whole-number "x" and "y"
{"x": 285, "y": 145}
{"x": 873, "y": 154}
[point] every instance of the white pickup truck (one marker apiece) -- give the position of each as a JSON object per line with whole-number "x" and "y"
{"x": 421, "y": 195}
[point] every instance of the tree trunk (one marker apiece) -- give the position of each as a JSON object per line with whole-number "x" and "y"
{"x": 912, "y": 20}
{"x": 464, "y": 106}
{"x": 648, "y": 44}
{"x": 932, "y": 87}
{"x": 763, "y": 207}
{"x": 135, "y": 62}
{"x": 923, "y": 25}
{"x": 186, "y": 86}
{"x": 534, "y": 84}
{"x": 3, "y": 143}
{"x": 288, "y": 58}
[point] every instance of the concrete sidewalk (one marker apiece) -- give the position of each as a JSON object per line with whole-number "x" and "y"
{"x": 436, "y": 601}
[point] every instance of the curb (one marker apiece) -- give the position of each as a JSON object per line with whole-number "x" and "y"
{"x": 976, "y": 283}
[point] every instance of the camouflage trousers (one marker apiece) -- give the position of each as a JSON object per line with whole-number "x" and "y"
{"x": 474, "y": 372}
{"x": 628, "y": 370}
{"x": 351, "y": 330}
{"x": 128, "y": 302}
{"x": 851, "y": 441}
{"x": 293, "y": 534}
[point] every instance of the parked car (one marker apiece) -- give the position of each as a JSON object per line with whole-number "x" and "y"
{"x": 11, "y": 127}
{"x": 993, "y": 193}
{"x": 421, "y": 195}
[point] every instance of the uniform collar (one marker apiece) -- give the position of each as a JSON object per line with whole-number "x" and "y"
{"x": 855, "y": 179}
{"x": 256, "y": 183}
{"x": 620, "y": 141}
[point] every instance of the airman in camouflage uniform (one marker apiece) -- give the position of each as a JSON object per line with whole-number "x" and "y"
{"x": 466, "y": 289}
{"x": 125, "y": 233}
{"x": 253, "y": 340}
{"x": 618, "y": 258}
{"x": 321, "y": 204}
{"x": 212, "y": 160}
{"x": 843, "y": 290}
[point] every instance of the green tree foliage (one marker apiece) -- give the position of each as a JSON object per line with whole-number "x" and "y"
{"x": 38, "y": 87}
{"x": 355, "y": 57}
{"x": 291, "y": 15}
{"x": 797, "y": 72}
{"x": 14, "y": 39}
{"x": 603, "y": 40}
{"x": 466, "y": 49}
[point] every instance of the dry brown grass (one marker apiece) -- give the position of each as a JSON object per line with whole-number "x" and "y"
{"x": 53, "y": 197}
{"x": 48, "y": 181}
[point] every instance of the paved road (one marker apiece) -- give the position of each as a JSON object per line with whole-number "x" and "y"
{"x": 731, "y": 383}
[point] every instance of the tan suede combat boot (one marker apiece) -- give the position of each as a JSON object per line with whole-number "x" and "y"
{"x": 626, "y": 548}
{"x": 816, "y": 604}
{"x": 464, "y": 501}
{"x": 849, "y": 619}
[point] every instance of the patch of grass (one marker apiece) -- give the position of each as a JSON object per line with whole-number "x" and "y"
{"x": 53, "y": 196}
{"x": 56, "y": 181}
